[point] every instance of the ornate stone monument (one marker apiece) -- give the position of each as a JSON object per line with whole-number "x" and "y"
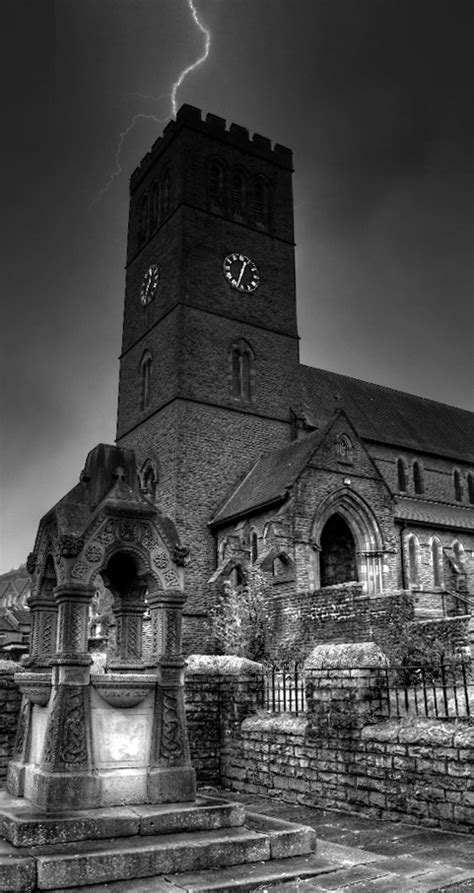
{"x": 77, "y": 747}
{"x": 101, "y": 788}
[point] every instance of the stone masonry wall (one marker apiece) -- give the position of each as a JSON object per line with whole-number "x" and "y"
{"x": 342, "y": 754}
{"x": 343, "y": 613}
{"x": 10, "y": 701}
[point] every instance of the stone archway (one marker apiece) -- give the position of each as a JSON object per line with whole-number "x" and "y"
{"x": 353, "y": 525}
{"x": 337, "y": 560}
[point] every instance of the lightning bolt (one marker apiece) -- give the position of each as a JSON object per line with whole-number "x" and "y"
{"x": 190, "y": 68}
{"x": 174, "y": 89}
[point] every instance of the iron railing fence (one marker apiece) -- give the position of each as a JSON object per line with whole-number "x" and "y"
{"x": 441, "y": 690}
{"x": 284, "y": 690}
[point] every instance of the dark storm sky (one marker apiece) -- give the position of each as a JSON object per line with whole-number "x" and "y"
{"x": 375, "y": 99}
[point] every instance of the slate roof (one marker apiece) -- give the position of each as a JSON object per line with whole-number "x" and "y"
{"x": 433, "y": 513}
{"x": 269, "y": 478}
{"x": 388, "y": 416}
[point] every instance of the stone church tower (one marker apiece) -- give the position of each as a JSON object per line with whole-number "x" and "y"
{"x": 209, "y": 363}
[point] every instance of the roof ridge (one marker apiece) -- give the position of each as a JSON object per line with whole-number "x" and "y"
{"x": 384, "y": 387}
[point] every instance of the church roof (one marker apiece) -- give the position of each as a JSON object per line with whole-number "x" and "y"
{"x": 392, "y": 417}
{"x": 269, "y": 478}
{"x": 436, "y": 514}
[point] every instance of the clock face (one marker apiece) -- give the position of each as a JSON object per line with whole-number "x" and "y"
{"x": 241, "y": 272}
{"x": 149, "y": 284}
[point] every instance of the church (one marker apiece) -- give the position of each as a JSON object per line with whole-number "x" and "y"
{"x": 325, "y": 483}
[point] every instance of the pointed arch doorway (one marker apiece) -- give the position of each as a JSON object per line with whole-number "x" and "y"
{"x": 338, "y": 562}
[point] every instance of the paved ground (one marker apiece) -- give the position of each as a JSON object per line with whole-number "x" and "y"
{"x": 370, "y": 855}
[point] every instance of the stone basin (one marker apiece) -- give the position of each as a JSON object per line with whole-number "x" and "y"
{"x": 123, "y": 689}
{"x": 36, "y": 686}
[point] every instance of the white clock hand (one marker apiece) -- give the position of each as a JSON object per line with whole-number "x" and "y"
{"x": 242, "y": 272}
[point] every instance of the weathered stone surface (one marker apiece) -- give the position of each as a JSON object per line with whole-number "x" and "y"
{"x": 360, "y": 654}
{"x": 29, "y": 827}
{"x": 203, "y": 816}
{"x": 17, "y": 870}
{"x": 100, "y": 861}
{"x": 286, "y": 839}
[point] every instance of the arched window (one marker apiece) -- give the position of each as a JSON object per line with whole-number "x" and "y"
{"x": 223, "y": 549}
{"x": 457, "y": 481}
{"x": 143, "y": 219}
{"x": 145, "y": 380}
{"x": 242, "y": 371}
{"x": 418, "y": 482}
{"x": 238, "y": 192}
{"x": 253, "y": 546}
{"x": 344, "y": 449}
{"x": 470, "y": 488}
{"x": 402, "y": 475}
{"x": 165, "y": 194}
{"x": 458, "y": 552}
{"x": 437, "y": 563}
{"x": 215, "y": 182}
{"x": 149, "y": 479}
{"x": 262, "y": 201}
{"x": 413, "y": 563}
{"x": 154, "y": 211}
{"x": 237, "y": 576}
{"x": 281, "y": 565}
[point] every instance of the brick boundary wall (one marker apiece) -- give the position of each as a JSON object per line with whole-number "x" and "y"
{"x": 340, "y": 754}
{"x": 343, "y": 613}
{"x": 10, "y": 702}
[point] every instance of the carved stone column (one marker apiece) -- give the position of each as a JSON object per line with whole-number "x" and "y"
{"x": 65, "y": 778}
{"x": 171, "y": 776}
{"x": 128, "y": 612}
{"x": 44, "y": 615}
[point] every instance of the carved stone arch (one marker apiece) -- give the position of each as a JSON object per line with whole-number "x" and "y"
{"x": 364, "y": 529}
{"x": 358, "y": 515}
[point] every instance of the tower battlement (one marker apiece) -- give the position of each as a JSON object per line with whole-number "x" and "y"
{"x": 234, "y": 135}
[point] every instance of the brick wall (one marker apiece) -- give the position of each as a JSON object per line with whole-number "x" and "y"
{"x": 10, "y": 700}
{"x": 341, "y": 754}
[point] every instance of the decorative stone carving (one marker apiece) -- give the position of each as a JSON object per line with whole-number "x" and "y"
{"x": 70, "y": 546}
{"x": 160, "y": 560}
{"x": 94, "y": 553}
{"x": 22, "y": 730}
{"x": 120, "y": 691}
{"x": 181, "y": 555}
{"x": 35, "y": 686}
{"x": 172, "y": 740}
{"x": 171, "y": 578}
{"x": 66, "y": 736}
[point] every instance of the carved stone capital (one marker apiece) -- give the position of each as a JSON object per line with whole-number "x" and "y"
{"x": 70, "y": 546}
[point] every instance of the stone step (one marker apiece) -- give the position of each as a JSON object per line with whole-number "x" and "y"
{"x": 83, "y": 863}
{"x": 237, "y": 879}
{"x": 24, "y": 826}
{"x": 99, "y": 861}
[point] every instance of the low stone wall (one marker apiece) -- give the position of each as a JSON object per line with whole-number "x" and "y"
{"x": 10, "y": 701}
{"x": 341, "y": 754}
{"x": 220, "y": 692}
